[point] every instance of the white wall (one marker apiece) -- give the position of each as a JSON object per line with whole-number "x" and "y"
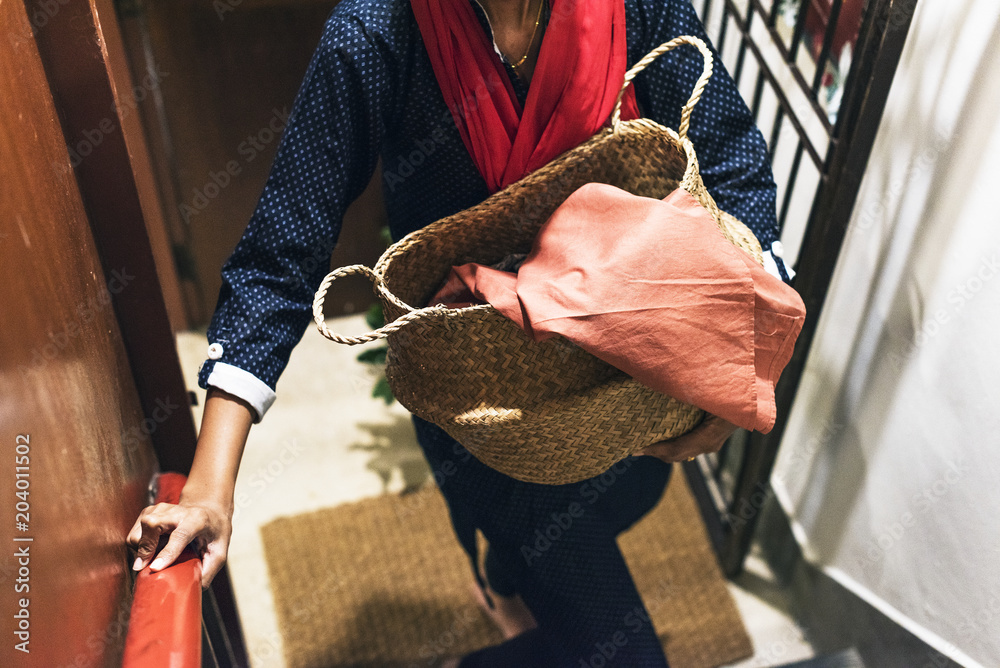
{"x": 890, "y": 468}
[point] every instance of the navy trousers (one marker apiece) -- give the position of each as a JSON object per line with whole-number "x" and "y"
{"x": 555, "y": 546}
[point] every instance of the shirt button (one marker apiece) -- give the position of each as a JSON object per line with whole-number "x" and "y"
{"x": 777, "y": 250}
{"x": 215, "y": 351}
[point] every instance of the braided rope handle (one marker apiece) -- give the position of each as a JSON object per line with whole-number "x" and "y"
{"x": 380, "y": 333}
{"x": 699, "y": 87}
{"x": 411, "y": 314}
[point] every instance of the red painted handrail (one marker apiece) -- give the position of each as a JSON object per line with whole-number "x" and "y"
{"x": 165, "y": 622}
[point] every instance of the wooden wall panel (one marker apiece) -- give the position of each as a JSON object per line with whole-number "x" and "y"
{"x": 65, "y": 383}
{"x": 229, "y": 78}
{"x": 129, "y": 94}
{"x": 84, "y": 61}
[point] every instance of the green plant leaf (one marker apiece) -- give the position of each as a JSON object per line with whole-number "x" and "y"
{"x": 374, "y": 316}
{"x": 374, "y": 355}
{"x": 383, "y": 391}
{"x": 385, "y": 235}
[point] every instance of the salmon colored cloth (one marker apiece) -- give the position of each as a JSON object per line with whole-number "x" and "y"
{"x": 654, "y": 289}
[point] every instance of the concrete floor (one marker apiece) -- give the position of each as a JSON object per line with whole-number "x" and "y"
{"x": 326, "y": 442}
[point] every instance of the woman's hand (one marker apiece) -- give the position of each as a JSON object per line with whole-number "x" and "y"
{"x": 204, "y": 514}
{"x": 706, "y": 437}
{"x": 205, "y": 524}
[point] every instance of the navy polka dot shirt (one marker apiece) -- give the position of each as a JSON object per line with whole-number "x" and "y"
{"x": 370, "y": 92}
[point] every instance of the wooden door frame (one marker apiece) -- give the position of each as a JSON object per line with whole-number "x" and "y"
{"x": 84, "y": 58}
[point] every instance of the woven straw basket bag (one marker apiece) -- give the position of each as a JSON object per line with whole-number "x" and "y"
{"x": 546, "y": 412}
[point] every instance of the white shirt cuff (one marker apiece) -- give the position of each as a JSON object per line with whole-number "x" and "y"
{"x": 244, "y": 385}
{"x": 771, "y": 266}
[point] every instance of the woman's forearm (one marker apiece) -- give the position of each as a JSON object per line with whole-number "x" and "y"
{"x": 224, "y": 429}
{"x": 204, "y": 514}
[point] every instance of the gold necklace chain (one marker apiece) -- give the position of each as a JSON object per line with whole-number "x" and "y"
{"x": 531, "y": 42}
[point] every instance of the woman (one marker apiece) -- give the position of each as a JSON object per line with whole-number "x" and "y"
{"x": 460, "y": 98}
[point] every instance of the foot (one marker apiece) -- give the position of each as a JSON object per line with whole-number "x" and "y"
{"x": 510, "y": 614}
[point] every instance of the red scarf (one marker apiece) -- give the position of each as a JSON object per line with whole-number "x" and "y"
{"x": 579, "y": 72}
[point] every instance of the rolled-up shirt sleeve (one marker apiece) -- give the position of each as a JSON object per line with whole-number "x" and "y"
{"x": 732, "y": 154}
{"x": 326, "y": 157}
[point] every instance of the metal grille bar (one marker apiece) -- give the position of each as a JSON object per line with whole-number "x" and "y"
{"x": 728, "y": 483}
{"x": 789, "y": 55}
{"x": 824, "y": 53}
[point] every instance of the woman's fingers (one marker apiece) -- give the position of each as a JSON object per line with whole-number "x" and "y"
{"x": 179, "y": 539}
{"x": 183, "y": 524}
{"x": 669, "y": 451}
{"x": 706, "y": 437}
{"x": 680, "y": 448}
{"x": 211, "y": 562}
{"x": 152, "y": 523}
{"x": 145, "y": 546}
{"x": 134, "y": 534}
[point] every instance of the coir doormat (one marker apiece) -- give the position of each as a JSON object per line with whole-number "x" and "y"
{"x": 383, "y": 583}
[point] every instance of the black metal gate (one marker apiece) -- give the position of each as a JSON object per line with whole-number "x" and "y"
{"x": 816, "y": 79}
